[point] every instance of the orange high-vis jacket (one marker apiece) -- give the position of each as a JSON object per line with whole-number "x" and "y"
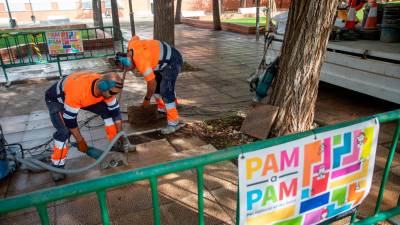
{"x": 78, "y": 89}
{"x": 148, "y": 55}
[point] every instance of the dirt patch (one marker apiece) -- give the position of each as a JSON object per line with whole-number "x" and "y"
{"x": 139, "y": 116}
{"x": 223, "y": 132}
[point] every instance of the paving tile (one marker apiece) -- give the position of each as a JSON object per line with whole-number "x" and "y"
{"x": 14, "y": 137}
{"x": 184, "y": 211}
{"x": 130, "y": 198}
{"x": 259, "y": 120}
{"x": 381, "y": 158}
{"x": 39, "y": 115}
{"x": 151, "y": 153}
{"x": 41, "y": 133}
{"x": 27, "y": 182}
{"x": 38, "y": 124}
{"x": 83, "y": 210}
{"x": 10, "y": 120}
{"x": 9, "y": 128}
{"x": 390, "y": 197}
{"x": 226, "y": 198}
{"x": 181, "y": 143}
{"x": 4, "y": 183}
{"x": 30, "y": 217}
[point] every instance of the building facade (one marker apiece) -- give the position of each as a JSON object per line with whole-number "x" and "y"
{"x": 22, "y": 10}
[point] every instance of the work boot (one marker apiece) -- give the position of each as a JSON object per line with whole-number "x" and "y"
{"x": 170, "y": 129}
{"x": 58, "y": 176}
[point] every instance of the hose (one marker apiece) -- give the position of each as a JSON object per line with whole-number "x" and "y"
{"x": 37, "y": 164}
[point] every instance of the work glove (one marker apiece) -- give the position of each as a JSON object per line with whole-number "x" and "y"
{"x": 82, "y": 146}
{"x": 146, "y": 102}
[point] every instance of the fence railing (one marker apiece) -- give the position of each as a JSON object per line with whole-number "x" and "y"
{"x": 40, "y": 199}
{"x": 31, "y": 48}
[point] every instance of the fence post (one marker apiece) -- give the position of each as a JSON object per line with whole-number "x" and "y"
{"x": 59, "y": 66}
{"x": 44, "y": 216}
{"x": 101, "y": 196}
{"x": 8, "y": 82}
{"x": 200, "y": 192}
{"x": 156, "y": 205}
{"x": 387, "y": 167}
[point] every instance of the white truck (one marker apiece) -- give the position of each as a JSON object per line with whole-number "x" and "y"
{"x": 366, "y": 66}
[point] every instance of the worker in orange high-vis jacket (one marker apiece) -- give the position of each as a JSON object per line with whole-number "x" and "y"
{"x": 160, "y": 65}
{"x": 89, "y": 91}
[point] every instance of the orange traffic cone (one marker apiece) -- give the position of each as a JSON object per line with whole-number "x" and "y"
{"x": 351, "y": 16}
{"x": 370, "y": 24}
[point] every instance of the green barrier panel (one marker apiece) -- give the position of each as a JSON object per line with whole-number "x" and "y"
{"x": 31, "y": 48}
{"x": 41, "y": 198}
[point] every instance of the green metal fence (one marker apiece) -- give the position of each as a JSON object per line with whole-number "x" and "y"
{"x": 30, "y": 47}
{"x": 40, "y": 199}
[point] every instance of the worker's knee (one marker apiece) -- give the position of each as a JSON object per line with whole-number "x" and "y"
{"x": 62, "y": 134}
{"x": 168, "y": 91}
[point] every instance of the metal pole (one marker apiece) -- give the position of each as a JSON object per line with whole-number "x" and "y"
{"x": 59, "y": 66}
{"x": 32, "y": 16}
{"x": 131, "y": 18}
{"x": 257, "y": 20}
{"x": 12, "y": 24}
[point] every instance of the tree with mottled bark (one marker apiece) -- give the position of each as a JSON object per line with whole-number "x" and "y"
{"x": 164, "y": 29}
{"x": 97, "y": 17}
{"x": 131, "y": 18}
{"x": 216, "y": 15}
{"x": 295, "y": 88}
{"x": 178, "y": 12}
{"x": 115, "y": 20}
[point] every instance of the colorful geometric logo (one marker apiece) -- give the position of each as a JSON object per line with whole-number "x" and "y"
{"x": 309, "y": 180}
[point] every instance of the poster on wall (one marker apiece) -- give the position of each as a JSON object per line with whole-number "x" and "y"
{"x": 64, "y": 42}
{"x": 309, "y": 180}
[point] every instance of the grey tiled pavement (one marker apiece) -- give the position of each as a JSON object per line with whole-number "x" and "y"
{"x": 225, "y": 60}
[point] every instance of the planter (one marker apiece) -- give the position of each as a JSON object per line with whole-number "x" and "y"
{"x": 97, "y": 44}
{"x": 198, "y": 23}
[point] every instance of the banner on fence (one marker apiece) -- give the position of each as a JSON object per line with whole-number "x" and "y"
{"x": 309, "y": 180}
{"x": 64, "y": 42}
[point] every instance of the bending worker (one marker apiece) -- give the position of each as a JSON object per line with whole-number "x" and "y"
{"x": 81, "y": 90}
{"x": 160, "y": 65}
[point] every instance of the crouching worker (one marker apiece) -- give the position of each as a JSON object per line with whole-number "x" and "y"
{"x": 82, "y": 90}
{"x": 160, "y": 64}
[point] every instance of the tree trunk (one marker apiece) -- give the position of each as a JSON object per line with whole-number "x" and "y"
{"x": 272, "y": 7}
{"x": 164, "y": 29}
{"x": 178, "y": 12}
{"x": 303, "y": 51}
{"x": 257, "y": 20}
{"x": 131, "y": 18}
{"x": 216, "y": 16}
{"x": 97, "y": 17}
{"x": 115, "y": 20}
{"x": 242, "y": 3}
